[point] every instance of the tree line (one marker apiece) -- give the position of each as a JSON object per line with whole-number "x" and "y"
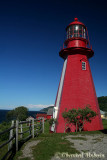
{"x": 103, "y": 103}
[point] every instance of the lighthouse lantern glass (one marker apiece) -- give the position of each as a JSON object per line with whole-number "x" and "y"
{"x": 76, "y": 31}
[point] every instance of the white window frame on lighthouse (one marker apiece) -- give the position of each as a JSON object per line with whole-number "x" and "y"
{"x": 83, "y": 65}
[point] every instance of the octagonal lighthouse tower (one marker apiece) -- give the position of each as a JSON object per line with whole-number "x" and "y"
{"x": 76, "y": 87}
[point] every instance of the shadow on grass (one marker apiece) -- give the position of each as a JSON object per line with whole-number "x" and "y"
{"x": 11, "y": 153}
{"x": 104, "y": 131}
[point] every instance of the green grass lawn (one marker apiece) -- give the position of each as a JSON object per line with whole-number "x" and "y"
{"x": 104, "y": 123}
{"x": 51, "y": 143}
{"x": 3, "y": 150}
{"x": 54, "y": 142}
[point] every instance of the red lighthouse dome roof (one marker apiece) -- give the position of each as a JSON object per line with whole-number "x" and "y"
{"x": 76, "y": 22}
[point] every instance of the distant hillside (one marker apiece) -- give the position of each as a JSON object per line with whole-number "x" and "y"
{"x": 46, "y": 109}
{"x": 103, "y": 103}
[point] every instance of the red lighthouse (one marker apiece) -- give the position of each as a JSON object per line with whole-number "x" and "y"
{"x": 76, "y": 87}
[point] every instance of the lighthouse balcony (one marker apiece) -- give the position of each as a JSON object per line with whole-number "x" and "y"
{"x": 76, "y": 50}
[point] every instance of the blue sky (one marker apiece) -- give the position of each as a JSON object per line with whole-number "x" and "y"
{"x": 31, "y": 35}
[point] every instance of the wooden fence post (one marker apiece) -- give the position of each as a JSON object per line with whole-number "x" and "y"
{"x": 10, "y": 136}
{"x": 43, "y": 125}
{"x": 17, "y": 127}
{"x": 29, "y": 123}
{"x": 21, "y": 130}
{"x": 32, "y": 128}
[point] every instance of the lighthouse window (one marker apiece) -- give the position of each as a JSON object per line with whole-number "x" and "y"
{"x": 76, "y": 27}
{"x": 84, "y": 34}
{"x": 76, "y": 31}
{"x": 83, "y": 65}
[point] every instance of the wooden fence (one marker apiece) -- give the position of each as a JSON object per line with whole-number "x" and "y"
{"x": 18, "y": 132}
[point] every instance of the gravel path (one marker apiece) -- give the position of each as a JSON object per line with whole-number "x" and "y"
{"x": 91, "y": 147}
{"x": 27, "y": 151}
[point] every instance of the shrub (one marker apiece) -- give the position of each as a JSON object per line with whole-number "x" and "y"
{"x": 3, "y": 127}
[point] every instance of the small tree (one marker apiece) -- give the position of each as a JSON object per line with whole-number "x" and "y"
{"x": 19, "y": 113}
{"x": 78, "y": 117}
{"x": 85, "y": 115}
{"x": 70, "y": 117}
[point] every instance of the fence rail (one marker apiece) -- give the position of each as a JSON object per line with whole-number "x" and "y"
{"x": 17, "y": 130}
{"x": 7, "y": 130}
